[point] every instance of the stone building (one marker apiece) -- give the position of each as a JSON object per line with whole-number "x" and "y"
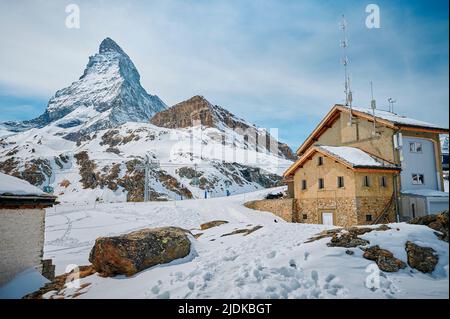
{"x": 361, "y": 166}
{"x": 22, "y": 223}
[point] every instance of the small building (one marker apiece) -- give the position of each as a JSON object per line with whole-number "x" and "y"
{"x": 423, "y": 202}
{"x": 342, "y": 185}
{"x": 22, "y": 225}
{"x": 363, "y": 166}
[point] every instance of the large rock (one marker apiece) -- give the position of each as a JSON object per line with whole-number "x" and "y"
{"x": 130, "y": 253}
{"x": 437, "y": 222}
{"x": 423, "y": 259}
{"x": 384, "y": 259}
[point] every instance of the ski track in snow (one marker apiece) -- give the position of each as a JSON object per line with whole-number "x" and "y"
{"x": 272, "y": 262}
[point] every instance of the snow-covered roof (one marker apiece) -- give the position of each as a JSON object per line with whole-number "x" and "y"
{"x": 10, "y": 185}
{"x": 425, "y": 192}
{"x": 354, "y": 156}
{"x": 396, "y": 118}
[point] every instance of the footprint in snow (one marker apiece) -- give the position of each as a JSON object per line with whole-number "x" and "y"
{"x": 155, "y": 290}
{"x": 306, "y": 255}
{"x": 315, "y": 277}
{"x": 292, "y": 263}
{"x": 164, "y": 295}
{"x": 272, "y": 254}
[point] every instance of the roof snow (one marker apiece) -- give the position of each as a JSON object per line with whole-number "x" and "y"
{"x": 10, "y": 185}
{"x": 395, "y": 118}
{"x": 354, "y": 156}
{"x": 425, "y": 193}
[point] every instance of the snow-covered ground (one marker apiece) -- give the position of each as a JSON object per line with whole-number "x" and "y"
{"x": 272, "y": 262}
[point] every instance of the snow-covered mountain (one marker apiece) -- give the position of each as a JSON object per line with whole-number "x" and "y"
{"x": 94, "y": 135}
{"x": 199, "y": 111}
{"x": 108, "y": 94}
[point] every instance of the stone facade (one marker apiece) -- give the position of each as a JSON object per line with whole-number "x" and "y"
{"x": 349, "y": 204}
{"x": 343, "y": 210}
{"x": 373, "y": 206}
{"x": 21, "y": 241}
{"x": 284, "y": 208}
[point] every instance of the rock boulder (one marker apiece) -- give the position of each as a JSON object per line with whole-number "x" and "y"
{"x": 423, "y": 259}
{"x": 384, "y": 259}
{"x": 130, "y": 253}
{"x": 437, "y": 222}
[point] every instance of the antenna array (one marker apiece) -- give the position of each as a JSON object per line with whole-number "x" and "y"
{"x": 345, "y": 62}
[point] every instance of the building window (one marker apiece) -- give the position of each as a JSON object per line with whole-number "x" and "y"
{"x": 383, "y": 182}
{"x": 321, "y": 183}
{"x": 368, "y": 218}
{"x": 366, "y": 181}
{"x": 415, "y": 147}
{"x": 320, "y": 161}
{"x": 304, "y": 184}
{"x": 305, "y": 216}
{"x": 340, "y": 181}
{"x": 418, "y": 179}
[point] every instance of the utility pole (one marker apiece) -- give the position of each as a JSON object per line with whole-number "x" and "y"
{"x": 147, "y": 166}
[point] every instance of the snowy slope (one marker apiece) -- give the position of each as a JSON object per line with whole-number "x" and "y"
{"x": 272, "y": 262}
{"x": 222, "y": 164}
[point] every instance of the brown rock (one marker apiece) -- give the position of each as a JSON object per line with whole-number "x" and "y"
{"x": 352, "y": 233}
{"x": 243, "y": 231}
{"x": 130, "y": 253}
{"x": 212, "y": 224}
{"x": 384, "y": 259}
{"x": 437, "y": 222}
{"x": 423, "y": 259}
{"x": 347, "y": 240}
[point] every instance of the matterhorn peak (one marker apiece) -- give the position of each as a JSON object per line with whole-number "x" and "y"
{"x": 108, "y": 94}
{"x": 109, "y": 45}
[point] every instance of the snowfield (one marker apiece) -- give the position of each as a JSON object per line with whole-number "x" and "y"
{"x": 272, "y": 262}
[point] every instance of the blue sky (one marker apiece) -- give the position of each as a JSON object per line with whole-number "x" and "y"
{"x": 274, "y": 63}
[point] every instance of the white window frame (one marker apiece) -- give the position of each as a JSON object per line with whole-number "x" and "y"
{"x": 415, "y": 177}
{"x": 413, "y": 146}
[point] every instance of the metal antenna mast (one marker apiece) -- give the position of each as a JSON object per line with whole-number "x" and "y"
{"x": 391, "y": 102}
{"x": 373, "y": 105}
{"x": 345, "y": 62}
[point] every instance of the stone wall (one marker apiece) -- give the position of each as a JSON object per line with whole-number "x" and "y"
{"x": 346, "y": 211}
{"x": 343, "y": 208}
{"x": 374, "y": 206}
{"x": 21, "y": 241}
{"x": 283, "y": 208}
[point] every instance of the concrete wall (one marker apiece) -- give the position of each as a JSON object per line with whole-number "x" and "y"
{"x": 21, "y": 241}
{"x": 437, "y": 151}
{"x": 283, "y": 208}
